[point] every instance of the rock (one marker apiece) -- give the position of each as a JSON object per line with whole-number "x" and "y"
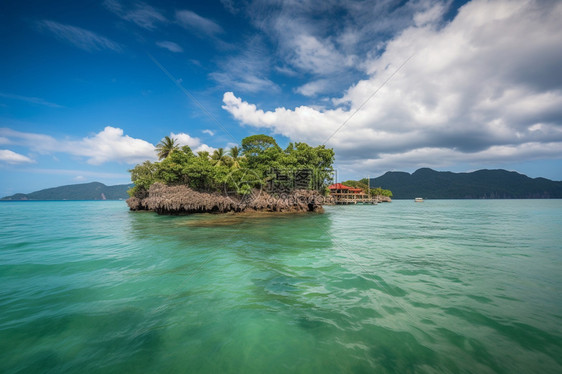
{"x": 181, "y": 199}
{"x": 383, "y": 199}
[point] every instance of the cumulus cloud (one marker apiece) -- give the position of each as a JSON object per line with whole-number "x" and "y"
{"x": 209, "y": 132}
{"x": 112, "y": 145}
{"x": 11, "y": 157}
{"x": 319, "y": 41}
{"x": 485, "y": 86}
{"x": 109, "y": 145}
{"x": 79, "y": 37}
{"x": 170, "y": 46}
{"x": 193, "y": 142}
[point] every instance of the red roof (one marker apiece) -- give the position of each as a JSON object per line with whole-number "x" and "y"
{"x": 339, "y": 186}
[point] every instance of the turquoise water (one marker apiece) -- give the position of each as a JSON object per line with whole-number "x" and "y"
{"x": 437, "y": 287}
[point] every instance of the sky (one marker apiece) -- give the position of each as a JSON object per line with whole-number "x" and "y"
{"x": 88, "y": 88}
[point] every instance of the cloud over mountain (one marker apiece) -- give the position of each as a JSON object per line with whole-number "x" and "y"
{"x": 482, "y": 87}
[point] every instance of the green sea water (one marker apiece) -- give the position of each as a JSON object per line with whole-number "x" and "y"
{"x": 437, "y": 287}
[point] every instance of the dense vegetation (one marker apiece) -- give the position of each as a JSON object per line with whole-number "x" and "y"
{"x": 83, "y": 191}
{"x": 240, "y": 169}
{"x": 481, "y": 184}
{"x": 364, "y": 185}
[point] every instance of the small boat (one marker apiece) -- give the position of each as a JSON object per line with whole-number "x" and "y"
{"x": 418, "y": 199}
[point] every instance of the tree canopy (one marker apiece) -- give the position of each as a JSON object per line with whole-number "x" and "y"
{"x": 364, "y": 185}
{"x": 258, "y": 162}
{"x": 166, "y": 147}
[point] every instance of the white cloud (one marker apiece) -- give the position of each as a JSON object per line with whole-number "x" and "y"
{"x": 431, "y": 15}
{"x": 192, "y": 20}
{"x": 328, "y": 39}
{"x": 209, "y": 132}
{"x": 204, "y": 148}
{"x": 39, "y": 143}
{"x": 79, "y": 37}
{"x": 170, "y": 46}
{"x": 141, "y": 14}
{"x": 313, "y": 88}
{"x": 317, "y": 56}
{"x": 186, "y": 139}
{"x": 112, "y": 145}
{"x": 109, "y": 145}
{"x": 476, "y": 89}
{"x": 193, "y": 143}
{"x": 11, "y": 157}
{"x": 248, "y": 70}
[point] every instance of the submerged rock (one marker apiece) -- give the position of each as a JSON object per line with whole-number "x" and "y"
{"x": 181, "y": 199}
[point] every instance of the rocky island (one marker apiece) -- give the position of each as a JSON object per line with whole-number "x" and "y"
{"x": 259, "y": 176}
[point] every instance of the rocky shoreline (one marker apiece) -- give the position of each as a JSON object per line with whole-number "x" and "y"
{"x": 180, "y": 199}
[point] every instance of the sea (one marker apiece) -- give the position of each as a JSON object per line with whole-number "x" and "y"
{"x": 443, "y": 286}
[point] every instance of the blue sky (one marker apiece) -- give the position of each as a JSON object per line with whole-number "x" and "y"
{"x": 88, "y": 88}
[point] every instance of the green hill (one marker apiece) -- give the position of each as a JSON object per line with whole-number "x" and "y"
{"x": 84, "y": 191}
{"x": 481, "y": 184}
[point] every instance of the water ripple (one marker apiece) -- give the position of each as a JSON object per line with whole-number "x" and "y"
{"x": 444, "y": 286}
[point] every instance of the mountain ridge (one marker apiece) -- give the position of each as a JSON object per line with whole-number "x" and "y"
{"x": 480, "y": 184}
{"x": 81, "y": 191}
{"x": 424, "y": 182}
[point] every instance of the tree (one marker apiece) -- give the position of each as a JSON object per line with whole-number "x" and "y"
{"x": 236, "y": 157}
{"x": 166, "y": 147}
{"x": 261, "y": 152}
{"x": 171, "y": 169}
{"x": 143, "y": 176}
{"x": 204, "y": 155}
{"x": 261, "y": 155}
{"x": 220, "y": 158}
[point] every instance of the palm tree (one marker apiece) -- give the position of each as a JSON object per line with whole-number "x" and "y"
{"x": 166, "y": 147}
{"x": 236, "y": 157}
{"x": 203, "y": 154}
{"x": 219, "y": 157}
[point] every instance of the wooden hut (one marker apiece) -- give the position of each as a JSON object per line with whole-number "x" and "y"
{"x": 342, "y": 194}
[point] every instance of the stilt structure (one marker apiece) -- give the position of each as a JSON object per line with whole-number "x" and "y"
{"x": 345, "y": 195}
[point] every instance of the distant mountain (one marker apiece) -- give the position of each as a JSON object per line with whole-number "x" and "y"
{"x": 481, "y": 184}
{"x": 84, "y": 191}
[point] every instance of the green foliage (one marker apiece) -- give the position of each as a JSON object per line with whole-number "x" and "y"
{"x": 381, "y": 192}
{"x": 142, "y": 175}
{"x": 252, "y": 163}
{"x": 166, "y": 147}
{"x": 236, "y": 157}
{"x": 481, "y": 184}
{"x": 363, "y": 184}
{"x": 261, "y": 153}
{"x": 301, "y": 156}
{"x": 220, "y": 158}
{"x": 170, "y": 170}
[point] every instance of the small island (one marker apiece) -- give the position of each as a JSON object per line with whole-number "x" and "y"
{"x": 259, "y": 176}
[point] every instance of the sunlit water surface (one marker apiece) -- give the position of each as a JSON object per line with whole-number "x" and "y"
{"x": 436, "y": 287}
